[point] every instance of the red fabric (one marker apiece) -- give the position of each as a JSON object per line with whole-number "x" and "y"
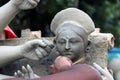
{"x": 9, "y": 33}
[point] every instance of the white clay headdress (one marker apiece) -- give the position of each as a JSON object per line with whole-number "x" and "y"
{"x": 73, "y": 16}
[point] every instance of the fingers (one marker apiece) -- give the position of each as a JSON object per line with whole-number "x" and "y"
{"x": 37, "y": 1}
{"x": 18, "y": 74}
{"x": 25, "y": 72}
{"x": 106, "y": 70}
{"x": 30, "y": 71}
{"x": 40, "y": 43}
{"x": 15, "y": 74}
{"x": 38, "y": 53}
{"x": 45, "y": 45}
{"x": 34, "y": 43}
{"x": 48, "y": 43}
{"x": 106, "y": 74}
{"x": 39, "y": 47}
{"x": 101, "y": 70}
{"x": 41, "y": 52}
{"x": 33, "y": 2}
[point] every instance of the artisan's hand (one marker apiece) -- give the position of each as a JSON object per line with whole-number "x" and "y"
{"x": 26, "y": 73}
{"x": 61, "y": 63}
{"x": 36, "y": 49}
{"x": 104, "y": 72}
{"x": 25, "y": 4}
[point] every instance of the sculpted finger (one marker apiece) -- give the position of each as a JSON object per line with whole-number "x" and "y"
{"x": 40, "y": 43}
{"x": 38, "y": 53}
{"x": 33, "y": 3}
{"x": 43, "y": 52}
{"x": 106, "y": 70}
{"x": 25, "y": 72}
{"x": 31, "y": 73}
{"x": 37, "y": 1}
{"x": 108, "y": 73}
{"x": 15, "y": 74}
{"x": 29, "y": 68}
{"x": 49, "y": 46}
{"x": 34, "y": 43}
{"x": 36, "y": 76}
{"x": 19, "y": 73}
{"x": 48, "y": 43}
{"x": 48, "y": 49}
{"x": 101, "y": 70}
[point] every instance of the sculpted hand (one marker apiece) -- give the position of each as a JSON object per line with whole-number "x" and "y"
{"x": 25, "y": 4}
{"x": 36, "y": 49}
{"x": 26, "y": 73}
{"x": 105, "y": 73}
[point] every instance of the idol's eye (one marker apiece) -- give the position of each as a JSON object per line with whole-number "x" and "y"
{"x": 75, "y": 40}
{"x": 61, "y": 41}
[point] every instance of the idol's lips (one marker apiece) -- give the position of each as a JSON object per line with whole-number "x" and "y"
{"x": 67, "y": 53}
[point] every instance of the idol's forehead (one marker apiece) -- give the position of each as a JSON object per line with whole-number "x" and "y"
{"x": 68, "y": 34}
{"x": 69, "y": 28}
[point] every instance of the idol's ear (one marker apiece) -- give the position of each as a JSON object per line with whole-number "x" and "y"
{"x": 54, "y": 41}
{"x": 88, "y": 47}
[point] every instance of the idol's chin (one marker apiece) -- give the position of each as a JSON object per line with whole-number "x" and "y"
{"x": 69, "y": 56}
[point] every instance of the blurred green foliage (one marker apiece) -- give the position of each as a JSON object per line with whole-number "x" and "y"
{"x": 105, "y": 14}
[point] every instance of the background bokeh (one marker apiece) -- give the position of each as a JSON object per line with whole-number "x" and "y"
{"x": 105, "y": 14}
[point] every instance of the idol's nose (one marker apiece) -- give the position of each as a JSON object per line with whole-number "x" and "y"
{"x": 67, "y": 46}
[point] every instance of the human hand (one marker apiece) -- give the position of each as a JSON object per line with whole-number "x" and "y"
{"x": 61, "y": 63}
{"x": 25, "y": 4}
{"x": 26, "y": 73}
{"x": 104, "y": 72}
{"x": 36, "y": 49}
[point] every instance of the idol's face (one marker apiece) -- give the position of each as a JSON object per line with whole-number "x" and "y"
{"x": 70, "y": 44}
